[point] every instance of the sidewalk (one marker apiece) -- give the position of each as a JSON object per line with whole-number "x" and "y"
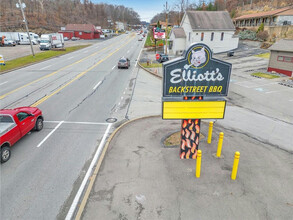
{"x": 141, "y": 179}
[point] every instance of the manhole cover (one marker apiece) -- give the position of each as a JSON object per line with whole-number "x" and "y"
{"x": 111, "y": 120}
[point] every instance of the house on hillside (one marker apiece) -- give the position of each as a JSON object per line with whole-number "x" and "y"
{"x": 83, "y": 31}
{"x": 213, "y": 28}
{"x": 177, "y": 40}
{"x": 281, "y": 58}
{"x": 278, "y": 17}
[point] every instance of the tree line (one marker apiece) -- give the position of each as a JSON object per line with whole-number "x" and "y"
{"x": 176, "y": 11}
{"x": 50, "y": 15}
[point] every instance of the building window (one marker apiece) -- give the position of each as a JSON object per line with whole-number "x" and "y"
{"x": 202, "y": 36}
{"x": 285, "y": 59}
{"x": 288, "y": 59}
{"x": 222, "y": 36}
{"x": 212, "y": 36}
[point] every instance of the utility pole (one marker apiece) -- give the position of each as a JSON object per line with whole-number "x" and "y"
{"x": 25, "y": 21}
{"x": 166, "y": 34}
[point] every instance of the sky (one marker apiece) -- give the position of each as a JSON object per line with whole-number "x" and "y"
{"x": 146, "y": 9}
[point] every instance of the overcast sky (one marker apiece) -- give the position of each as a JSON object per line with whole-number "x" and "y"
{"x": 146, "y": 9}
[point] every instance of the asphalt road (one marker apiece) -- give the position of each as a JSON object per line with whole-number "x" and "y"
{"x": 77, "y": 93}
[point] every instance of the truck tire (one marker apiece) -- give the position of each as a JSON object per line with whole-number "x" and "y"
{"x": 5, "y": 154}
{"x": 39, "y": 124}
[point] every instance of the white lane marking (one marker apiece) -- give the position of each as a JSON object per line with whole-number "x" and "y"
{"x": 96, "y": 86}
{"x": 78, "y": 122}
{"x": 113, "y": 67}
{"x": 45, "y": 67}
{"x": 70, "y": 58}
{"x": 291, "y": 100}
{"x": 128, "y": 51}
{"x": 119, "y": 103}
{"x": 124, "y": 93}
{"x": 138, "y": 57}
{"x": 60, "y": 123}
{"x": 3, "y": 83}
{"x": 86, "y": 51}
{"x": 88, "y": 173}
{"x": 121, "y": 97}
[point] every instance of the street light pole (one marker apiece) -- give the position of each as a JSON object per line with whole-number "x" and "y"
{"x": 166, "y": 34}
{"x": 25, "y": 21}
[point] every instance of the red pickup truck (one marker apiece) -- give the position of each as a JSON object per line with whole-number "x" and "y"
{"x": 14, "y": 124}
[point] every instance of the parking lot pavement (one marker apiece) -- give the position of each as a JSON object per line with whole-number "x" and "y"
{"x": 142, "y": 179}
{"x": 10, "y": 53}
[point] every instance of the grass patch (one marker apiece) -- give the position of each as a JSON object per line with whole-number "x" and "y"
{"x": 151, "y": 65}
{"x": 151, "y": 43}
{"x": 263, "y": 55}
{"x": 22, "y": 61}
{"x": 265, "y": 75}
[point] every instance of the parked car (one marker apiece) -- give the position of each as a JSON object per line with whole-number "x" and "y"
{"x": 66, "y": 38}
{"x": 9, "y": 42}
{"x": 123, "y": 63}
{"x": 140, "y": 39}
{"x": 16, "y": 123}
{"x": 163, "y": 58}
{"x": 75, "y": 38}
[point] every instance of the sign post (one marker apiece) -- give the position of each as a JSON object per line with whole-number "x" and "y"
{"x": 194, "y": 87}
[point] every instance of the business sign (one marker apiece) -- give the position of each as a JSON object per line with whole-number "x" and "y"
{"x": 194, "y": 109}
{"x": 196, "y": 74}
{"x": 159, "y": 33}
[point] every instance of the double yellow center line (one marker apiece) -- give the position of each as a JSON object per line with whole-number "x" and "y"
{"x": 52, "y": 74}
{"x": 78, "y": 76}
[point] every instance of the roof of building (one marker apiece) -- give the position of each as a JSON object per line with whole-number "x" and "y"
{"x": 210, "y": 20}
{"x": 179, "y": 32}
{"x": 80, "y": 27}
{"x": 266, "y": 13}
{"x": 283, "y": 45}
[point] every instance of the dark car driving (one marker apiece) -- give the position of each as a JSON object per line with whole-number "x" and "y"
{"x": 123, "y": 63}
{"x": 163, "y": 58}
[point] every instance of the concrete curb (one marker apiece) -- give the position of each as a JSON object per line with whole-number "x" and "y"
{"x": 149, "y": 71}
{"x": 97, "y": 168}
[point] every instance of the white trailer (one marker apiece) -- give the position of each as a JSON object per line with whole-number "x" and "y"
{"x": 53, "y": 40}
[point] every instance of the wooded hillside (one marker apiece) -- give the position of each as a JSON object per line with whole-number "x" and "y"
{"x": 50, "y": 15}
{"x": 234, "y": 7}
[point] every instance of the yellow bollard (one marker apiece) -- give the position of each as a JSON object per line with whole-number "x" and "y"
{"x": 198, "y": 164}
{"x": 210, "y": 132}
{"x": 235, "y": 165}
{"x": 220, "y": 143}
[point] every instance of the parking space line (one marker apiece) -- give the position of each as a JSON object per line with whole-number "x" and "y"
{"x": 281, "y": 90}
{"x": 60, "y": 123}
{"x": 113, "y": 67}
{"x": 263, "y": 85}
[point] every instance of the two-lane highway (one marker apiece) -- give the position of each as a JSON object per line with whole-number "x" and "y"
{"x": 77, "y": 93}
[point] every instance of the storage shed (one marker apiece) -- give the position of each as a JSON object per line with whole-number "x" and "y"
{"x": 281, "y": 58}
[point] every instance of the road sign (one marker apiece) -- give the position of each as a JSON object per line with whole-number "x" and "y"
{"x": 194, "y": 109}
{"x": 196, "y": 74}
{"x": 159, "y": 33}
{"x": 2, "y": 62}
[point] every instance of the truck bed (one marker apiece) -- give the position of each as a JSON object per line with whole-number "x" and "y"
{"x": 4, "y": 127}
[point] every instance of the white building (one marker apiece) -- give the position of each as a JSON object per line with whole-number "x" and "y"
{"x": 213, "y": 28}
{"x": 120, "y": 26}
